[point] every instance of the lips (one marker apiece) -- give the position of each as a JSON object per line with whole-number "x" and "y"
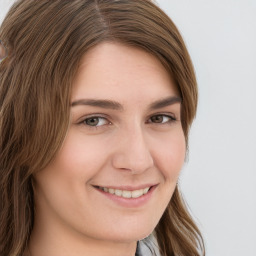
{"x": 128, "y": 196}
{"x": 126, "y": 192}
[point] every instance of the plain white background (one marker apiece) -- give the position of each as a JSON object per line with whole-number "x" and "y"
{"x": 219, "y": 178}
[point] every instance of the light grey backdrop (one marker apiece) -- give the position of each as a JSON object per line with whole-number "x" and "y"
{"x": 219, "y": 180}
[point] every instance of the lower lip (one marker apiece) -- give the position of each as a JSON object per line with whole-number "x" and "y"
{"x": 129, "y": 202}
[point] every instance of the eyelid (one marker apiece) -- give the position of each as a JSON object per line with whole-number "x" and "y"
{"x": 82, "y": 118}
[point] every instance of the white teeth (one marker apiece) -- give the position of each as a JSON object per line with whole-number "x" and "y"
{"x": 118, "y": 192}
{"x": 126, "y": 193}
{"x": 111, "y": 191}
{"x": 137, "y": 193}
{"x": 145, "y": 190}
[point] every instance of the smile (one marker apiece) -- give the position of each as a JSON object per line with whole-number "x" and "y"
{"x": 125, "y": 193}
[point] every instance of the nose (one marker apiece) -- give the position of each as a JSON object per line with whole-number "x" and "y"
{"x": 133, "y": 152}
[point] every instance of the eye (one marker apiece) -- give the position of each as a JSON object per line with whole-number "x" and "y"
{"x": 161, "y": 119}
{"x": 95, "y": 121}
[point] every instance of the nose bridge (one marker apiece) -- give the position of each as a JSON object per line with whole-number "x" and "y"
{"x": 133, "y": 152}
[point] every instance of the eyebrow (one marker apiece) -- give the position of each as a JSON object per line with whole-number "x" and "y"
{"x": 109, "y": 104}
{"x": 165, "y": 102}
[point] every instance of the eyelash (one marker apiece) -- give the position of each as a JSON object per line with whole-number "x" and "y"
{"x": 170, "y": 119}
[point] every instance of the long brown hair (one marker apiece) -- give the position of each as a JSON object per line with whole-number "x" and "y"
{"x": 45, "y": 40}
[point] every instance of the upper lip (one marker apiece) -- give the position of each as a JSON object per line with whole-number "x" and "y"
{"x": 128, "y": 187}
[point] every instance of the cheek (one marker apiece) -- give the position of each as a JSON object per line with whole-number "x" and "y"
{"x": 79, "y": 154}
{"x": 62, "y": 183}
{"x": 170, "y": 155}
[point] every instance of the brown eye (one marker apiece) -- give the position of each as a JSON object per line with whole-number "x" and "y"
{"x": 161, "y": 119}
{"x": 95, "y": 121}
{"x": 157, "y": 119}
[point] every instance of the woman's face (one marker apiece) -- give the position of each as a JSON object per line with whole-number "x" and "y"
{"x": 118, "y": 167}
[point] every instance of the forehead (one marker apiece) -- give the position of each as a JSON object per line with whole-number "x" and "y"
{"x": 115, "y": 70}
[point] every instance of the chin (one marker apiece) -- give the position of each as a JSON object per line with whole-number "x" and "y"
{"x": 129, "y": 234}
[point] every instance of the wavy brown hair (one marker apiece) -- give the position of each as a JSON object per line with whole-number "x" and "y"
{"x": 46, "y": 40}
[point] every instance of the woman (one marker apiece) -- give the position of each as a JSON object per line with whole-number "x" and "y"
{"x": 97, "y": 98}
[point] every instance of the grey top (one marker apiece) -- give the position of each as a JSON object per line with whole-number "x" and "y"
{"x": 148, "y": 247}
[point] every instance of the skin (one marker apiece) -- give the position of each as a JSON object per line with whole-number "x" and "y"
{"x": 132, "y": 145}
